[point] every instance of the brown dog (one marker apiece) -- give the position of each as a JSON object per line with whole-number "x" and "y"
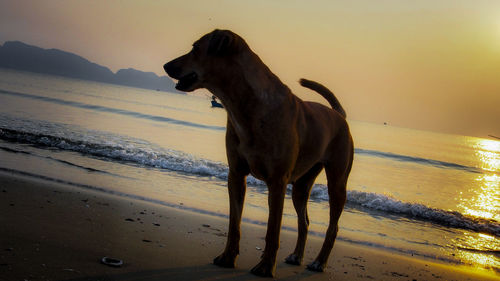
{"x": 273, "y": 135}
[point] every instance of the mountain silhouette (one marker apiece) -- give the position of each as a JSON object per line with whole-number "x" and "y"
{"x": 20, "y": 56}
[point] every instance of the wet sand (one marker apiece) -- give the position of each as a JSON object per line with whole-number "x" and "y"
{"x": 52, "y": 231}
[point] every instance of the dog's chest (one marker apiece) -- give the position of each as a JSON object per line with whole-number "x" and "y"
{"x": 265, "y": 146}
{"x": 265, "y": 157}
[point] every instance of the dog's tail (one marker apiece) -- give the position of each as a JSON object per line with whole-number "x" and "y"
{"x": 324, "y": 92}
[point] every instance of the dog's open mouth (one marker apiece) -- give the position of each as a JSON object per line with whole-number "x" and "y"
{"x": 187, "y": 81}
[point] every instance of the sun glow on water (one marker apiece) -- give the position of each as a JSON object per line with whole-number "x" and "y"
{"x": 482, "y": 201}
{"x": 478, "y": 249}
{"x": 486, "y": 202}
{"x": 488, "y": 152}
{"x": 485, "y": 199}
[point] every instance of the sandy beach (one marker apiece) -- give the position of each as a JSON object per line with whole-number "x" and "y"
{"x": 52, "y": 231}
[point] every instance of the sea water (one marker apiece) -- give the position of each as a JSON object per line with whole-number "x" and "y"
{"x": 428, "y": 195}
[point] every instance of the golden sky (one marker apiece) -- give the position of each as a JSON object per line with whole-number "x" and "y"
{"x": 432, "y": 65}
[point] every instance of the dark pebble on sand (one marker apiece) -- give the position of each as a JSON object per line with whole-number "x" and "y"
{"x": 146, "y": 240}
{"x": 156, "y": 224}
{"x": 206, "y": 225}
{"x": 129, "y": 219}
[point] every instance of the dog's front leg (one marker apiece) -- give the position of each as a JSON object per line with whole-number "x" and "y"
{"x": 267, "y": 265}
{"x": 236, "y": 188}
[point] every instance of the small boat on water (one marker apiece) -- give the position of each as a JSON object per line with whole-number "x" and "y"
{"x": 215, "y": 103}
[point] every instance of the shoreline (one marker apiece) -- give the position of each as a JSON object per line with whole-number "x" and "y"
{"x": 54, "y": 231}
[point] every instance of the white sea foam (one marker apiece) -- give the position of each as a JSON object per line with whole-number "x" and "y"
{"x": 387, "y": 204}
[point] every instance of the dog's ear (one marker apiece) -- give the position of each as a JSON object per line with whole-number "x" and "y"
{"x": 222, "y": 42}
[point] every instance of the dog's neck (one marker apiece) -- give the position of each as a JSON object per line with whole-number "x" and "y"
{"x": 250, "y": 91}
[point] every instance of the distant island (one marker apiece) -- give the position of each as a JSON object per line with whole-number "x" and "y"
{"x": 20, "y": 56}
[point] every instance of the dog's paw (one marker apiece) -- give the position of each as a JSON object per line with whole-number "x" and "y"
{"x": 224, "y": 260}
{"x": 293, "y": 259}
{"x": 264, "y": 269}
{"x": 316, "y": 266}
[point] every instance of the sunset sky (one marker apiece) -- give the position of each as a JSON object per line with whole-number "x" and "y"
{"x": 432, "y": 65}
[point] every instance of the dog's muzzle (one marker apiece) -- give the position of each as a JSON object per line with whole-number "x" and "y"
{"x": 185, "y": 82}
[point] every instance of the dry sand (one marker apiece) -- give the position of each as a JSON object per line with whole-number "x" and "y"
{"x": 51, "y": 231}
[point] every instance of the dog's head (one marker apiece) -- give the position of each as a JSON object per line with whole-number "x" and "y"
{"x": 209, "y": 55}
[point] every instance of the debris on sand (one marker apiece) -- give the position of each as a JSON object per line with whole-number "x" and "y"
{"x": 113, "y": 262}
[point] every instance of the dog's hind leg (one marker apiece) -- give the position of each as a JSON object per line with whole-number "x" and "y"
{"x": 337, "y": 171}
{"x": 337, "y": 193}
{"x": 300, "y": 196}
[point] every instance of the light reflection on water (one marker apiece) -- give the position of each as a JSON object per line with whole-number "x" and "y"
{"x": 485, "y": 202}
{"x": 488, "y": 151}
{"x": 478, "y": 248}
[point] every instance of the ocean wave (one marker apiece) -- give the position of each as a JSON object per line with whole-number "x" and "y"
{"x": 124, "y": 151}
{"x": 145, "y": 154}
{"x": 419, "y": 160}
{"x": 387, "y": 204}
{"x": 114, "y": 110}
